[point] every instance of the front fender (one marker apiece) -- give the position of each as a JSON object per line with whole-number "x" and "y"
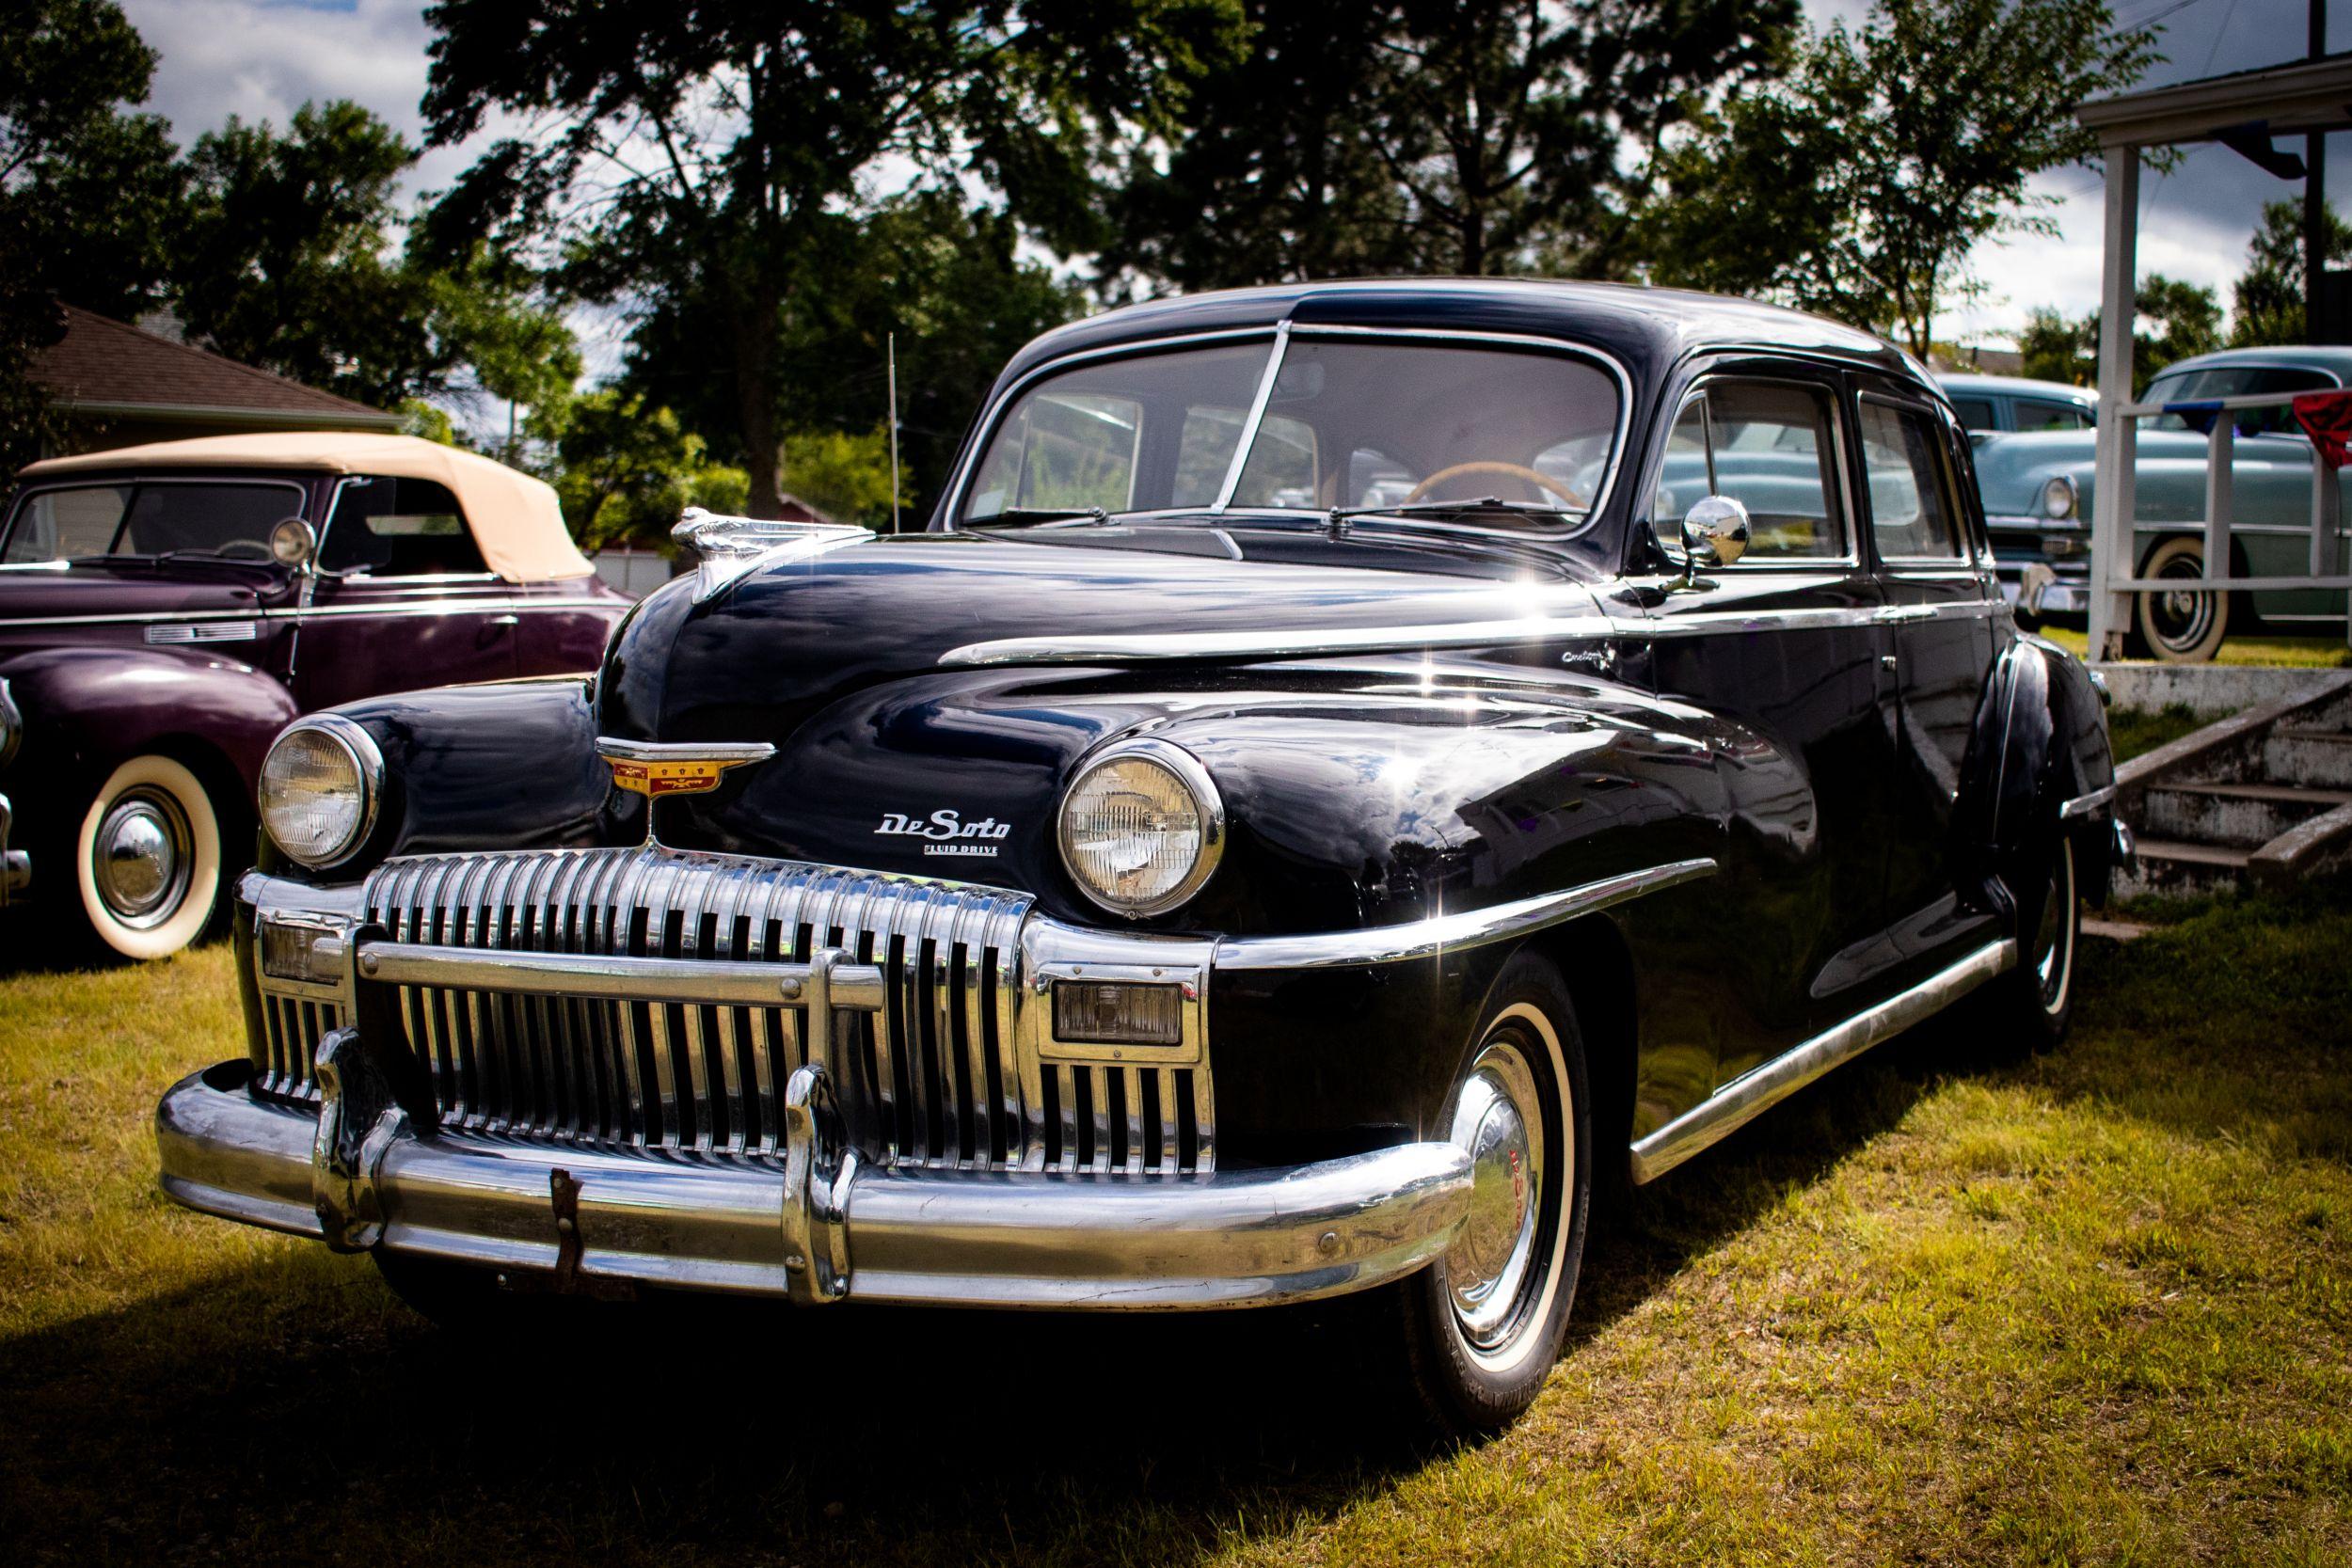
{"x": 87, "y": 709}
{"x": 2041, "y": 741}
{"x": 505, "y": 765}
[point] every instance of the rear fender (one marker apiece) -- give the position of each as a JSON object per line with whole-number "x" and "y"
{"x": 2041, "y": 741}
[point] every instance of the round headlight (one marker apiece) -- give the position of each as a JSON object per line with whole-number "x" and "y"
{"x": 319, "y": 788}
{"x": 1141, "y": 828}
{"x": 2058, "y": 497}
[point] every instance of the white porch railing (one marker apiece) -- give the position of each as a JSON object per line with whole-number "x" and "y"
{"x": 2114, "y": 551}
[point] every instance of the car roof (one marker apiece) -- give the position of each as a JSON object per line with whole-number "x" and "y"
{"x": 1632, "y": 321}
{"x": 2018, "y": 386}
{"x": 515, "y": 520}
{"x": 2336, "y": 360}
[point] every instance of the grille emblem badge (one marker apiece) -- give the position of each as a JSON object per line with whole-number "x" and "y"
{"x": 655, "y": 769}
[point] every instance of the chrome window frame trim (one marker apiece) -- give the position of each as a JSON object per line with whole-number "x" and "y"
{"x": 1279, "y": 335}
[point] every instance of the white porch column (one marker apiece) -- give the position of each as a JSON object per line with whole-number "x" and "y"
{"x": 2111, "y": 503}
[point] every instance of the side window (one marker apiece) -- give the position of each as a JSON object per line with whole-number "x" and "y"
{"x": 399, "y": 528}
{"x": 1910, "y": 507}
{"x": 1768, "y": 445}
{"x": 55, "y": 525}
{"x": 1976, "y": 414}
{"x": 2036, "y": 415}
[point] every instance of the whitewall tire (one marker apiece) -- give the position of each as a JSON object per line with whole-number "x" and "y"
{"x": 148, "y": 860}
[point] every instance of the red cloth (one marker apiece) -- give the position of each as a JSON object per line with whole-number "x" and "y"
{"x": 2327, "y": 419}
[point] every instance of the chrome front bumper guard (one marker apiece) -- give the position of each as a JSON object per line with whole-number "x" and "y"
{"x": 823, "y": 1228}
{"x": 360, "y": 1173}
{"x": 15, "y": 867}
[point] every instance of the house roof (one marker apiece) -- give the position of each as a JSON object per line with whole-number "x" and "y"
{"x": 107, "y": 367}
{"x": 515, "y": 518}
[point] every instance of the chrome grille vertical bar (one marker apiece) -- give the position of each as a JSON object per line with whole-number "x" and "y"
{"x": 1169, "y": 1152}
{"x": 691, "y": 1043}
{"x": 726, "y": 907}
{"x": 1132, "y": 1101}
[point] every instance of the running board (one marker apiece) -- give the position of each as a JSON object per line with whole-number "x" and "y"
{"x": 1744, "y": 1098}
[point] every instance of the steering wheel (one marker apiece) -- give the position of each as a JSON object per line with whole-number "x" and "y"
{"x": 254, "y": 545}
{"x": 1515, "y": 470}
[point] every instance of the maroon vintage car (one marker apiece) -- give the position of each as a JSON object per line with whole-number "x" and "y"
{"x": 166, "y": 609}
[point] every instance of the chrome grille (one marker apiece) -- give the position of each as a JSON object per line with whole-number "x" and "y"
{"x": 938, "y": 1078}
{"x": 286, "y": 1042}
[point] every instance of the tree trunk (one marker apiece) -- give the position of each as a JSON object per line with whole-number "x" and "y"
{"x": 755, "y": 401}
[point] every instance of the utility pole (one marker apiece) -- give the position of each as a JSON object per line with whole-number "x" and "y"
{"x": 2318, "y": 327}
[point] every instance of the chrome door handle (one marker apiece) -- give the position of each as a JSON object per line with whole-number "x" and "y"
{"x": 509, "y": 620}
{"x": 1890, "y": 614}
{"x": 1888, "y": 661}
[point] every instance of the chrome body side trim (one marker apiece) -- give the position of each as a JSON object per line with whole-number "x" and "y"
{"x": 1744, "y": 1098}
{"x": 1421, "y": 939}
{"x": 2083, "y": 805}
{"x": 1295, "y": 644}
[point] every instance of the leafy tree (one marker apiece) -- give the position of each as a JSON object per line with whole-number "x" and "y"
{"x": 290, "y": 261}
{"x": 1505, "y": 122}
{"x": 946, "y": 278}
{"x": 626, "y": 470}
{"x": 1428, "y": 136}
{"x": 89, "y": 193}
{"x": 2269, "y": 297}
{"x": 2174, "y": 319}
{"x": 702, "y": 159}
{"x": 1858, "y": 186}
{"x": 844, "y": 474}
{"x": 1274, "y": 173}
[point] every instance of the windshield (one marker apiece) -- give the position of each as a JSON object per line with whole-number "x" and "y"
{"x": 187, "y": 518}
{"x": 1347, "y": 423}
{"x": 2235, "y": 381}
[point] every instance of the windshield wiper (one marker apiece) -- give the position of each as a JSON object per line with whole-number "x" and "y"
{"x": 1339, "y": 515}
{"x": 1041, "y": 515}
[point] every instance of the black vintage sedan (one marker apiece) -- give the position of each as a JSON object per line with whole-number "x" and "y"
{"x": 1352, "y": 775}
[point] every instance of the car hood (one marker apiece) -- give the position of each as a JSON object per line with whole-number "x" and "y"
{"x": 753, "y": 661}
{"x": 2012, "y": 470}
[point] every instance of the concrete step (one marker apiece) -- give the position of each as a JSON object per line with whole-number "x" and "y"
{"x": 2246, "y": 816}
{"x": 2176, "y": 867}
{"x": 2309, "y": 756}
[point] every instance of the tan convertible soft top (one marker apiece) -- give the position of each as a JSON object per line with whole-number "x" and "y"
{"x": 514, "y": 519}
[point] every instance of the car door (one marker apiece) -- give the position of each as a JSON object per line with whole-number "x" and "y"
{"x": 402, "y": 598}
{"x": 1939, "y": 593}
{"x": 1783, "y": 646}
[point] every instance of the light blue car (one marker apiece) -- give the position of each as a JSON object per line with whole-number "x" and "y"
{"x": 2038, "y": 500}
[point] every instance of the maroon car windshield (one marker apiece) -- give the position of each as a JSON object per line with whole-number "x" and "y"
{"x": 231, "y": 520}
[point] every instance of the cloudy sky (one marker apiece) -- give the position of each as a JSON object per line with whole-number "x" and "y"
{"x": 261, "y": 59}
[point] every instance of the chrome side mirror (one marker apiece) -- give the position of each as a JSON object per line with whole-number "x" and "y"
{"x": 1714, "y": 531}
{"x": 293, "y": 543}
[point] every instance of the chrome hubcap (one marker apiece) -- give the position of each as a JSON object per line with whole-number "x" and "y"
{"x": 1498, "y": 1121}
{"x": 2183, "y": 616}
{"x": 140, "y": 858}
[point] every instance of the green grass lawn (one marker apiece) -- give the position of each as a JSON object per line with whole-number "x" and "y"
{"x": 1948, "y": 1305}
{"x": 2327, "y": 653}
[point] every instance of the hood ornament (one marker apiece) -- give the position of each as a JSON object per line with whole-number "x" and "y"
{"x": 726, "y": 548}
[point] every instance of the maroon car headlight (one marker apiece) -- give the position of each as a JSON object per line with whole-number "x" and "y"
{"x": 320, "y": 786}
{"x": 1141, "y": 828}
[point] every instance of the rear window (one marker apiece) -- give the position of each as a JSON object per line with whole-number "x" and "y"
{"x": 1975, "y": 414}
{"x": 385, "y": 527}
{"x": 158, "y": 518}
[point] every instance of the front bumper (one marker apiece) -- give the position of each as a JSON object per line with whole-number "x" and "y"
{"x": 2032, "y": 580}
{"x": 15, "y": 867}
{"x": 986, "y": 1239}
